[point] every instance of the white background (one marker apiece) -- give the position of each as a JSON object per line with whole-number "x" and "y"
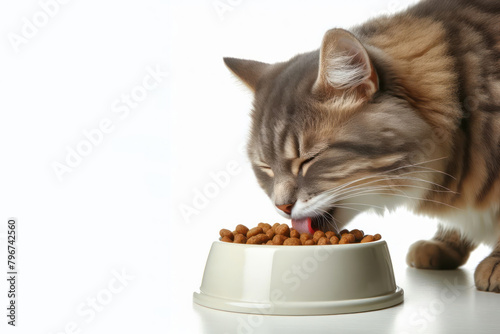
{"x": 119, "y": 208}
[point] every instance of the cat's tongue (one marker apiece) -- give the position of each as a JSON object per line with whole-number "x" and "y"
{"x": 303, "y": 225}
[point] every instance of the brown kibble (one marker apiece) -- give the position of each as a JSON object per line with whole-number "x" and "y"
{"x": 292, "y": 242}
{"x": 279, "y": 239}
{"x": 347, "y": 238}
{"x": 344, "y": 240}
{"x": 240, "y": 239}
{"x": 367, "y": 238}
{"x": 258, "y": 239}
{"x": 357, "y": 234}
{"x": 266, "y": 227}
{"x": 323, "y": 241}
{"x": 334, "y": 240}
{"x": 226, "y": 233}
{"x": 283, "y": 234}
{"x": 304, "y": 237}
{"x": 350, "y": 237}
{"x": 263, "y": 237}
{"x": 317, "y": 235}
{"x": 283, "y": 229}
{"x": 270, "y": 233}
{"x": 329, "y": 234}
{"x": 226, "y": 239}
{"x": 254, "y": 231}
{"x": 242, "y": 229}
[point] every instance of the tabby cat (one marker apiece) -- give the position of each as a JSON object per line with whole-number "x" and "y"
{"x": 402, "y": 110}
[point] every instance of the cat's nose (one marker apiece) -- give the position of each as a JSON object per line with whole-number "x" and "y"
{"x": 286, "y": 208}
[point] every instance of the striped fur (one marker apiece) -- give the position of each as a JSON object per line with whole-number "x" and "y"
{"x": 402, "y": 110}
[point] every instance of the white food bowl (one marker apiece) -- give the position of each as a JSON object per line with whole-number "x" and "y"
{"x": 298, "y": 280}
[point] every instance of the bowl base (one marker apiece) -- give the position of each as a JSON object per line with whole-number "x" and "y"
{"x": 301, "y": 308}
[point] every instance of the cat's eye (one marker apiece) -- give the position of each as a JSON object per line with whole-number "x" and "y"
{"x": 304, "y": 164}
{"x": 266, "y": 169}
{"x": 306, "y": 161}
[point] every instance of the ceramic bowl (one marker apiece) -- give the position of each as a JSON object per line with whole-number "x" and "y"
{"x": 298, "y": 280}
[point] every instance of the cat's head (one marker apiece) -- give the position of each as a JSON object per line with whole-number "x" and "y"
{"x": 329, "y": 139}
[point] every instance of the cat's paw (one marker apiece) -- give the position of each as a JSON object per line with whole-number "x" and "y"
{"x": 433, "y": 254}
{"x": 487, "y": 274}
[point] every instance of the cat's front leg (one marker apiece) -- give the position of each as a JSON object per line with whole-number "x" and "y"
{"x": 487, "y": 274}
{"x": 446, "y": 250}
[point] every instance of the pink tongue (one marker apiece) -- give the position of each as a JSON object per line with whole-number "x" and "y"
{"x": 303, "y": 225}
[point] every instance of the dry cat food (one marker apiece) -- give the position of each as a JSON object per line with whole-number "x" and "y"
{"x": 282, "y": 234}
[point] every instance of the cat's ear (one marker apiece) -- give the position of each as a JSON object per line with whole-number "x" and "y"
{"x": 344, "y": 66}
{"x": 249, "y": 71}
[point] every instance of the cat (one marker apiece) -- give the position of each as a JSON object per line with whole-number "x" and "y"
{"x": 401, "y": 110}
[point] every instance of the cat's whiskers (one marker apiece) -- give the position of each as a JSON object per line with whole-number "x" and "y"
{"x": 390, "y": 178}
{"x": 342, "y": 193}
{"x": 389, "y": 187}
{"x": 373, "y": 187}
{"x": 374, "y": 191}
{"x": 322, "y": 214}
{"x": 347, "y": 207}
{"x": 402, "y": 176}
{"x": 363, "y": 204}
{"x": 359, "y": 192}
{"x": 418, "y": 165}
{"x": 350, "y": 190}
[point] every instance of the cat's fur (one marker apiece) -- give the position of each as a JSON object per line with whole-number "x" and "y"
{"x": 400, "y": 110}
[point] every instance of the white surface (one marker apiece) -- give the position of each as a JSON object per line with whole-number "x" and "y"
{"x": 119, "y": 209}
